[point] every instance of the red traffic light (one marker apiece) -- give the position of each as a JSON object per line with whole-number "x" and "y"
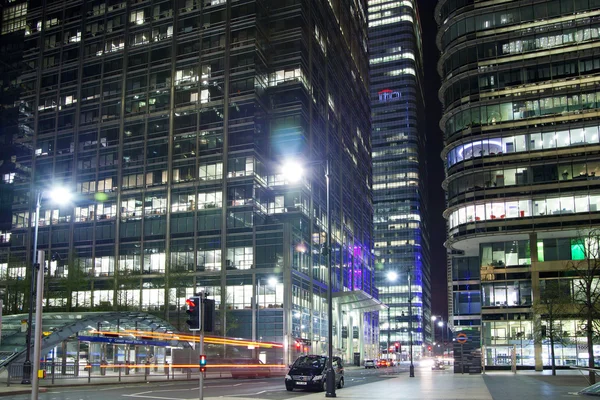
{"x": 193, "y": 313}
{"x": 298, "y": 345}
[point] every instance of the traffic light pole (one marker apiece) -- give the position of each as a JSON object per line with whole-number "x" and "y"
{"x": 201, "y": 379}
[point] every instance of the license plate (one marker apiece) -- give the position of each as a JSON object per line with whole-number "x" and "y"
{"x": 300, "y": 383}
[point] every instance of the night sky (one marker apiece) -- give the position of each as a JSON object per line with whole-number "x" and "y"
{"x": 437, "y": 226}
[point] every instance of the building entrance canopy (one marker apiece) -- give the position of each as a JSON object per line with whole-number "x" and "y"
{"x": 358, "y": 300}
{"x": 58, "y": 327}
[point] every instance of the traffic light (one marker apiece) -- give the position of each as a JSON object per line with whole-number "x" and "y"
{"x": 298, "y": 346}
{"x": 429, "y": 348}
{"x": 202, "y": 362}
{"x": 397, "y": 347}
{"x": 193, "y": 313}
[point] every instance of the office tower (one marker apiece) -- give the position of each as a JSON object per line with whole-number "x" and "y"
{"x": 521, "y": 139}
{"x": 12, "y": 28}
{"x": 399, "y": 173}
{"x": 170, "y": 121}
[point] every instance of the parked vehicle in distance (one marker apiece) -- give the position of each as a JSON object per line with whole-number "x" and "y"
{"x": 370, "y": 364}
{"x": 310, "y": 372}
{"x": 381, "y": 363}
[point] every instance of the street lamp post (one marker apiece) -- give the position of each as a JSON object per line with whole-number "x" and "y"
{"x": 293, "y": 170}
{"x": 441, "y": 325}
{"x": 56, "y": 194}
{"x": 410, "y": 333}
{"x": 330, "y": 379}
{"x": 433, "y": 318}
{"x": 34, "y": 267}
{"x": 388, "y": 332}
{"x": 391, "y": 277}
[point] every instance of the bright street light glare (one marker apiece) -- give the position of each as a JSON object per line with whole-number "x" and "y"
{"x": 272, "y": 281}
{"x": 433, "y": 317}
{"x": 292, "y": 171}
{"x": 392, "y": 276}
{"x": 441, "y": 323}
{"x": 59, "y": 195}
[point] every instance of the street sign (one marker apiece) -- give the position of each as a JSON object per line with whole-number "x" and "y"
{"x": 461, "y": 338}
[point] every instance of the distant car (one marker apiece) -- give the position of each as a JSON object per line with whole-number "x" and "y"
{"x": 370, "y": 364}
{"x": 382, "y": 363}
{"x": 309, "y": 372}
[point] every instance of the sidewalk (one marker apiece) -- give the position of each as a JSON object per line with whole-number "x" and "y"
{"x": 446, "y": 385}
{"x": 426, "y": 385}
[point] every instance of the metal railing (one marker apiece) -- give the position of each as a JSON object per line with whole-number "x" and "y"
{"x": 83, "y": 373}
{"x": 596, "y": 372}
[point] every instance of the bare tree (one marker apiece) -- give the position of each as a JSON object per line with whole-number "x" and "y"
{"x": 586, "y": 287}
{"x": 555, "y": 303}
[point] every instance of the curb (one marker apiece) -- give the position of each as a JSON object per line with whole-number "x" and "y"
{"x": 21, "y": 391}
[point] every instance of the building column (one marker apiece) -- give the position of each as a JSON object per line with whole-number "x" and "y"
{"x": 535, "y": 297}
{"x": 361, "y": 336}
{"x": 339, "y": 322}
{"x": 349, "y": 339}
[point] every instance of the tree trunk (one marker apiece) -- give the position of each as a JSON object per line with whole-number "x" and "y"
{"x": 590, "y": 344}
{"x": 552, "y": 350}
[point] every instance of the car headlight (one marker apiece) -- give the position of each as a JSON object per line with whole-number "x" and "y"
{"x": 317, "y": 377}
{"x": 288, "y": 378}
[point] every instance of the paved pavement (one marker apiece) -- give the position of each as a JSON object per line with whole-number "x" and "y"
{"x": 445, "y": 385}
{"x": 441, "y": 385}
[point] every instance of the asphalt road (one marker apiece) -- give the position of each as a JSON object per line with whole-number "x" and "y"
{"x": 266, "y": 388}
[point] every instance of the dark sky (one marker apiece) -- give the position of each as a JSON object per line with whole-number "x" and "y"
{"x": 433, "y": 106}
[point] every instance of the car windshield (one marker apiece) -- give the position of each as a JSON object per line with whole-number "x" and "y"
{"x": 311, "y": 362}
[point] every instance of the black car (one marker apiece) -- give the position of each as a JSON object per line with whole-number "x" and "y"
{"x": 309, "y": 372}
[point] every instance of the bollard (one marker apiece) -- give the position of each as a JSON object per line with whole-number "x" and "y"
{"x": 89, "y": 368}
{"x": 167, "y": 370}
{"x": 120, "y": 371}
{"x": 52, "y": 369}
{"x": 146, "y": 371}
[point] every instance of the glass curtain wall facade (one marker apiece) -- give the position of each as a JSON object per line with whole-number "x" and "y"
{"x": 520, "y": 123}
{"x": 169, "y": 120}
{"x": 399, "y": 173}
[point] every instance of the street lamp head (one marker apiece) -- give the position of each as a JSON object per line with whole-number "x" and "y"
{"x": 272, "y": 281}
{"x": 433, "y": 318}
{"x": 441, "y": 324}
{"x": 292, "y": 171}
{"x": 59, "y": 195}
{"x": 392, "y": 276}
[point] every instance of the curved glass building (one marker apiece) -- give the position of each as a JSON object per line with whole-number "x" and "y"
{"x": 521, "y": 116}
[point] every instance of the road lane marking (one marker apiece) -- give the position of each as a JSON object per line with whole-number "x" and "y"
{"x": 147, "y": 394}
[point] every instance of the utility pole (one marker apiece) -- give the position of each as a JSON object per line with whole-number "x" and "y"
{"x": 201, "y": 379}
{"x": 389, "y": 329}
{"x": 37, "y": 347}
{"x": 410, "y": 333}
